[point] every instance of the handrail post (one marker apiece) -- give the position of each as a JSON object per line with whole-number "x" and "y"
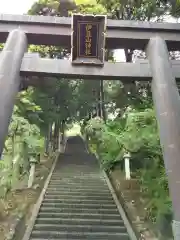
{"x": 167, "y": 105}
{"x": 10, "y": 64}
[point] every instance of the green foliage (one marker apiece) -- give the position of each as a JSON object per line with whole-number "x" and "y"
{"x": 136, "y": 133}
{"x": 143, "y": 10}
{"x": 105, "y": 141}
{"x": 23, "y": 142}
{"x": 38, "y": 7}
{"x": 155, "y": 188}
{"x": 175, "y": 11}
{"x": 90, "y": 7}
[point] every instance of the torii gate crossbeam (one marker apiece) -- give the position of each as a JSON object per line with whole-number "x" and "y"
{"x": 57, "y": 31}
{"x": 32, "y": 65}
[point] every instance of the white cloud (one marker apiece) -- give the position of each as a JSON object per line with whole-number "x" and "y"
{"x": 15, "y": 6}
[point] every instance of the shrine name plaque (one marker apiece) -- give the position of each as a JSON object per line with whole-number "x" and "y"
{"x": 88, "y": 39}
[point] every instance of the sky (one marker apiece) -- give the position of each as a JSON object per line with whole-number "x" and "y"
{"x": 15, "y": 6}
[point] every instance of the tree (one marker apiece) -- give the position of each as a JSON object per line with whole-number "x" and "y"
{"x": 175, "y": 10}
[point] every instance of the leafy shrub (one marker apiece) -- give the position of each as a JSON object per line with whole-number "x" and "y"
{"x": 23, "y": 142}
{"x": 137, "y": 134}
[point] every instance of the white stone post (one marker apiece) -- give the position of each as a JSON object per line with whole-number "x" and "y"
{"x": 61, "y": 143}
{"x": 127, "y": 166}
{"x": 32, "y": 172}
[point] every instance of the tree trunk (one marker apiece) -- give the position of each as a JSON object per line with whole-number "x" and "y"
{"x": 103, "y": 110}
{"x": 99, "y": 101}
{"x": 50, "y": 135}
{"x": 128, "y": 54}
{"x": 62, "y": 130}
{"x": 56, "y": 136}
{"x": 48, "y": 138}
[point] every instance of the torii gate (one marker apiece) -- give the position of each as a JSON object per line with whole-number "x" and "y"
{"x": 156, "y": 38}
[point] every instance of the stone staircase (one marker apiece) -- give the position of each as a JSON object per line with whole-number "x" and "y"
{"x": 77, "y": 203}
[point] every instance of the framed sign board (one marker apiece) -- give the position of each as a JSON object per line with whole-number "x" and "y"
{"x": 88, "y": 39}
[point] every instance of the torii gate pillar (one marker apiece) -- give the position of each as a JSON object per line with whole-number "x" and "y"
{"x": 10, "y": 64}
{"x": 167, "y": 105}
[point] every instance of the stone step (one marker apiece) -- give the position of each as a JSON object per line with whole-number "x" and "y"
{"x": 79, "y": 228}
{"x": 80, "y": 221}
{"x": 76, "y": 197}
{"x": 79, "y": 193}
{"x": 80, "y": 215}
{"x": 80, "y": 172}
{"x": 78, "y": 181}
{"x": 52, "y": 207}
{"x": 79, "y": 206}
{"x": 81, "y": 235}
{"x": 78, "y": 189}
{"x": 95, "y": 203}
{"x": 77, "y": 186}
{"x": 77, "y": 203}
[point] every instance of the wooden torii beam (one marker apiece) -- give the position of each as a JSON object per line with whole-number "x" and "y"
{"x": 56, "y": 31}
{"x": 32, "y": 65}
